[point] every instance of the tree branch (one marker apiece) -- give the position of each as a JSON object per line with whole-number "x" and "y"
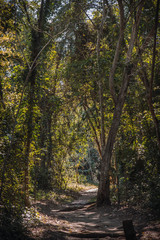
{"x": 25, "y": 9}
{"x": 94, "y": 130}
{"x": 117, "y": 53}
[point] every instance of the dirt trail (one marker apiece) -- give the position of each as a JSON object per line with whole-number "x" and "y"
{"x": 83, "y": 220}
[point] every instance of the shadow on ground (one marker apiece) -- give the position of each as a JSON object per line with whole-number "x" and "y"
{"x": 83, "y": 220}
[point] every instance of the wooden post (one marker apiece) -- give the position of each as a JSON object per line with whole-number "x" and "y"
{"x": 129, "y": 231}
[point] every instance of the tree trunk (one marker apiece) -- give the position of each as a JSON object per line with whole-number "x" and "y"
{"x": 150, "y": 103}
{"x": 35, "y": 51}
{"x": 103, "y": 196}
{"x": 117, "y": 180}
{"x": 49, "y": 157}
{"x": 149, "y": 84}
{"x": 29, "y": 139}
{"x": 1, "y": 94}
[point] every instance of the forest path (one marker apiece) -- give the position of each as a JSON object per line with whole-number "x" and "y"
{"x": 86, "y": 220}
{"x": 81, "y": 219}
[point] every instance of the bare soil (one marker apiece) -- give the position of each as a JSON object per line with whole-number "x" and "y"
{"x": 81, "y": 219}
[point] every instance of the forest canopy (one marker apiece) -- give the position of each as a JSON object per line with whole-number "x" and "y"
{"x": 79, "y": 99}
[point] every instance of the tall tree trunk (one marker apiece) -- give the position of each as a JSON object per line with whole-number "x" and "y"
{"x": 35, "y": 51}
{"x": 28, "y": 141}
{"x": 103, "y": 196}
{"x": 100, "y": 82}
{"x": 149, "y": 84}
{"x": 150, "y": 103}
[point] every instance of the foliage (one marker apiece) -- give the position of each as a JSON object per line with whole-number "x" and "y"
{"x": 54, "y": 96}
